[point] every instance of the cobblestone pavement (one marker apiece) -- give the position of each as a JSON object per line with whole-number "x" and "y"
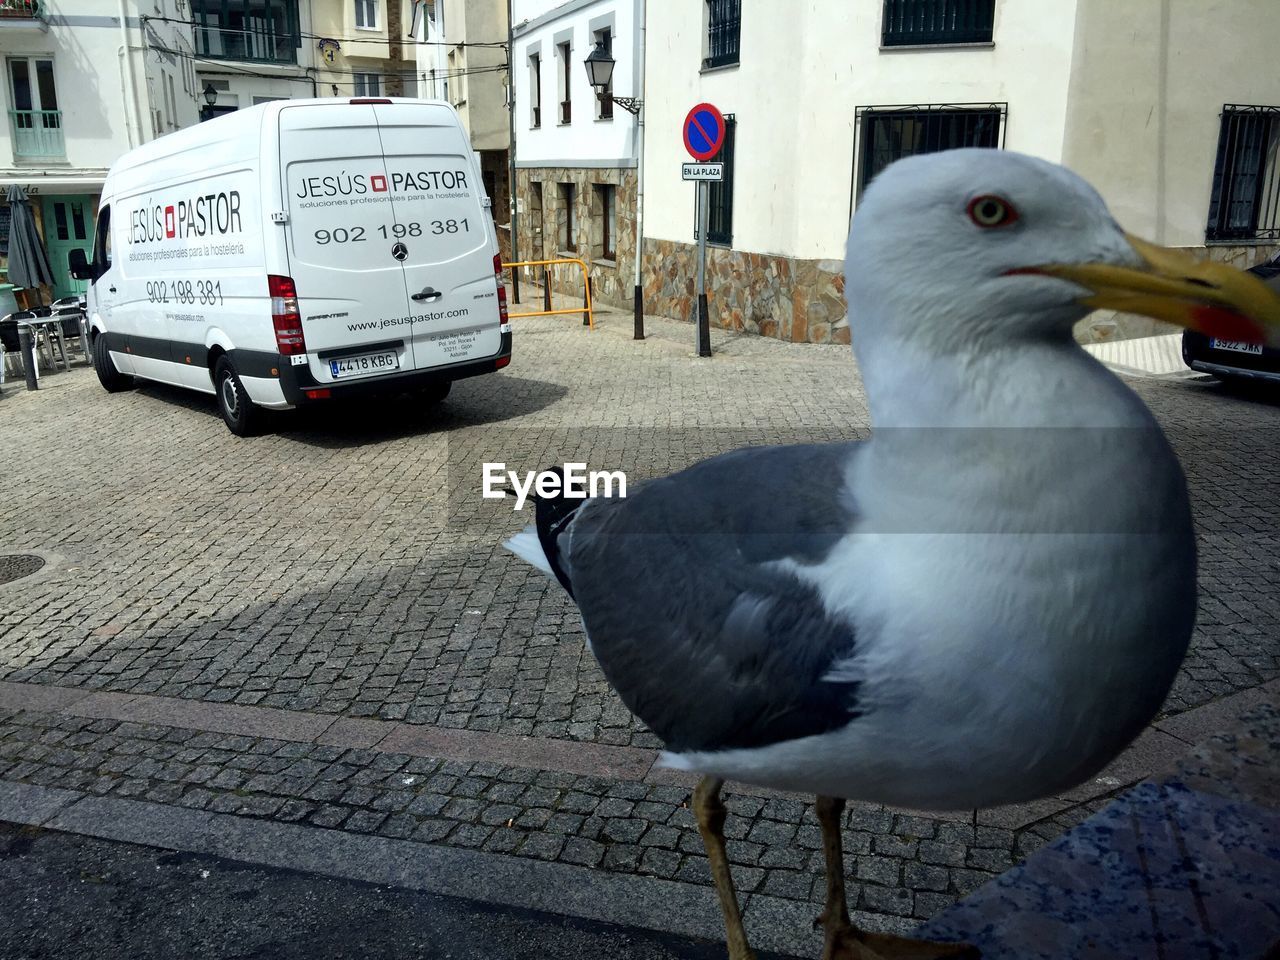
{"x": 345, "y": 564}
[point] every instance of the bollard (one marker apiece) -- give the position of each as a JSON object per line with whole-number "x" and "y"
{"x": 27, "y": 345}
{"x": 639, "y": 313}
{"x": 586, "y": 302}
{"x": 546, "y": 289}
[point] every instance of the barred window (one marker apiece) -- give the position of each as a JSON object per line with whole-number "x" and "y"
{"x": 891, "y": 133}
{"x": 723, "y": 20}
{"x": 909, "y": 22}
{"x": 720, "y": 192}
{"x": 1246, "y": 178}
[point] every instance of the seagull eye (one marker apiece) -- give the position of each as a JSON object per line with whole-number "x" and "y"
{"x": 992, "y": 211}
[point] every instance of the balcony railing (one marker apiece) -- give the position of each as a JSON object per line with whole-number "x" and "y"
{"x": 19, "y": 9}
{"x": 37, "y": 133}
{"x": 257, "y": 45}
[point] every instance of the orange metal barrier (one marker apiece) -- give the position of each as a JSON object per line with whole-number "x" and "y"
{"x": 586, "y": 284}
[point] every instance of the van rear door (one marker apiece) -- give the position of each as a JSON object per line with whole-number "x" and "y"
{"x": 445, "y": 234}
{"x": 351, "y": 289}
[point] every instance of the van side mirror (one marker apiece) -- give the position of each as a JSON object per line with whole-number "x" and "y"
{"x": 79, "y": 266}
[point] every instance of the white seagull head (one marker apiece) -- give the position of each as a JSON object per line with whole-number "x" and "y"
{"x": 970, "y": 249}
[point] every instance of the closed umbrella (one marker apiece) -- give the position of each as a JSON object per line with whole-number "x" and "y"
{"x": 28, "y": 261}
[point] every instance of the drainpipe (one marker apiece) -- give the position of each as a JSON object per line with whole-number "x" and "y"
{"x": 132, "y": 93}
{"x": 513, "y": 199}
{"x": 639, "y": 289}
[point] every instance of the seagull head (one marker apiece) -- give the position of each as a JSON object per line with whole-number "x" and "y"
{"x": 966, "y": 249}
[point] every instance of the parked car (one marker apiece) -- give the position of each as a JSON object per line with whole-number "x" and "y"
{"x": 1236, "y": 359}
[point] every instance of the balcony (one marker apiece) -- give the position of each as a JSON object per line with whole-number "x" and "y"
{"x": 22, "y": 13}
{"x": 255, "y": 45}
{"x": 37, "y": 134}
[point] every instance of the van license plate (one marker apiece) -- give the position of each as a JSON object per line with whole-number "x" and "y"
{"x": 1239, "y": 346}
{"x": 363, "y": 366}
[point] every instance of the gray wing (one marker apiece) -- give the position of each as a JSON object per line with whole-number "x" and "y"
{"x": 705, "y": 641}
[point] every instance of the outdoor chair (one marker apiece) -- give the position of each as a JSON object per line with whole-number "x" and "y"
{"x": 11, "y": 346}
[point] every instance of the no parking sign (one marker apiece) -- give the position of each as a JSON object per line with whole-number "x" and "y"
{"x": 703, "y": 132}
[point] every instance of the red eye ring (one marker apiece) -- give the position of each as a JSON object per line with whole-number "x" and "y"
{"x": 989, "y": 211}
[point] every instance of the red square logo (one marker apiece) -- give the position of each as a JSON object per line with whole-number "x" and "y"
{"x": 379, "y": 183}
{"x": 169, "y": 229}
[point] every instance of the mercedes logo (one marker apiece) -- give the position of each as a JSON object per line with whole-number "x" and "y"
{"x": 400, "y": 251}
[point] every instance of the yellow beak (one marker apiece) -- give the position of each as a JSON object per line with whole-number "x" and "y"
{"x": 1173, "y": 286}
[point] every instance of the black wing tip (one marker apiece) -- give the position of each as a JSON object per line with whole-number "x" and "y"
{"x": 551, "y": 515}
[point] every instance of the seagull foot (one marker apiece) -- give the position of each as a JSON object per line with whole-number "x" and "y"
{"x": 851, "y": 944}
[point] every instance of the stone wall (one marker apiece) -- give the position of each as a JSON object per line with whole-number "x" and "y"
{"x": 775, "y": 296}
{"x": 803, "y": 300}
{"x": 542, "y": 219}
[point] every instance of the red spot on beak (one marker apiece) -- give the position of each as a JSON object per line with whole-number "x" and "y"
{"x": 1226, "y": 324}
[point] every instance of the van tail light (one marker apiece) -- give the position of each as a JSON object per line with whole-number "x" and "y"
{"x": 285, "y": 316}
{"x": 370, "y": 99}
{"x": 502, "y": 290}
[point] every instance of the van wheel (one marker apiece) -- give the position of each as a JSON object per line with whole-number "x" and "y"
{"x": 241, "y": 415}
{"x": 436, "y": 392}
{"x": 112, "y": 380}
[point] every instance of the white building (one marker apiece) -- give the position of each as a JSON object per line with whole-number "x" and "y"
{"x": 255, "y": 51}
{"x": 461, "y": 58}
{"x": 1139, "y": 97}
{"x": 80, "y": 89}
{"x": 576, "y": 153}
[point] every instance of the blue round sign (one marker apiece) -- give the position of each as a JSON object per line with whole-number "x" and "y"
{"x": 703, "y": 132}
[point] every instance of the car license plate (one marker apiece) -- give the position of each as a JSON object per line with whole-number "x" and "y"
{"x": 363, "y": 366}
{"x": 1239, "y": 346}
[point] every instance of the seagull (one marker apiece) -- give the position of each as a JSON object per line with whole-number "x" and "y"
{"x": 983, "y": 603}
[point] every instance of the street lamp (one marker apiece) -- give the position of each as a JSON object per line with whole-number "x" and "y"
{"x": 210, "y": 98}
{"x": 599, "y": 66}
{"x": 600, "y": 71}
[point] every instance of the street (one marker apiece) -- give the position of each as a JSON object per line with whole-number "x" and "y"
{"x": 318, "y": 628}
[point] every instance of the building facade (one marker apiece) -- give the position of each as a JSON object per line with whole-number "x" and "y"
{"x": 462, "y": 59}
{"x": 576, "y": 153}
{"x": 254, "y": 51}
{"x": 81, "y": 88}
{"x": 1139, "y": 97}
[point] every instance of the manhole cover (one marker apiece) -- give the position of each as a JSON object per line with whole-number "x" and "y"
{"x": 15, "y": 566}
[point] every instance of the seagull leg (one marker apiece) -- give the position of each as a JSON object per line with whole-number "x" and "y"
{"x": 844, "y": 941}
{"x": 835, "y": 917}
{"x": 711, "y": 814}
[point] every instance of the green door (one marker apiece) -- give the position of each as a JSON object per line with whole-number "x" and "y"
{"x": 68, "y": 225}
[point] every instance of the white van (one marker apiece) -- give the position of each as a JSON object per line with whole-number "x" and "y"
{"x": 297, "y": 251}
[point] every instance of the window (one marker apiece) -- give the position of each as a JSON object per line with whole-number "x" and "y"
{"x": 568, "y": 235}
{"x": 535, "y": 85}
{"x": 258, "y": 30}
{"x": 35, "y": 119}
{"x": 565, "y": 52}
{"x": 172, "y": 100}
{"x": 367, "y": 84}
{"x": 535, "y": 215}
{"x": 102, "y": 242}
{"x": 723, "y": 18}
{"x": 911, "y": 22}
{"x": 367, "y": 14}
{"x": 891, "y": 133}
{"x": 720, "y": 192}
{"x": 6, "y": 213}
{"x": 1246, "y": 176}
{"x": 604, "y": 97}
{"x": 605, "y": 209}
